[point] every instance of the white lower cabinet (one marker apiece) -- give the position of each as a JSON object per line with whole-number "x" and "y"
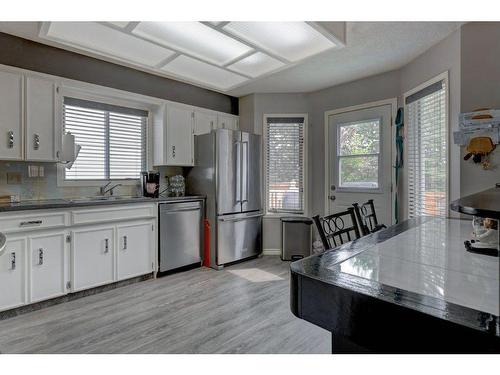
{"x": 135, "y": 242}
{"x": 92, "y": 254}
{"x": 13, "y": 274}
{"x": 47, "y": 261}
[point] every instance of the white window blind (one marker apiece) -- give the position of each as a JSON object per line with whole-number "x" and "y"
{"x": 427, "y": 143}
{"x": 113, "y": 140}
{"x": 285, "y": 164}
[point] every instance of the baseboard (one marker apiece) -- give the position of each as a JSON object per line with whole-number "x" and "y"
{"x": 271, "y": 252}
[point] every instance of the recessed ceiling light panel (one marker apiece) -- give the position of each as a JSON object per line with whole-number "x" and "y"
{"x": 292, "y": 40}
{"x": 255, "y": 65}
{"x": 98, "y": 38}
{"x": 200, "y": 72}
{"x": 193, "y": 38}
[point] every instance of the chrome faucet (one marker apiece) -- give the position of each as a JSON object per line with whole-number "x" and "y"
{"x": 103, "y": 189}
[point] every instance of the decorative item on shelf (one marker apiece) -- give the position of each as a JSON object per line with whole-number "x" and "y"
{"x": 484, "y": 236}
{"x": 479, "y": 148}
{"x": 177, "y": 187}
{"x": 479, "y": 123}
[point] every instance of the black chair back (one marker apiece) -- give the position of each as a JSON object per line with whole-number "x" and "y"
{"x": 337, "y": 229}
{"x": 367, "y": 218}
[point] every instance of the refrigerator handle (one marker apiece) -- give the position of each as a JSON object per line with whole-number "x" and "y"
{"x": 238, "y": 171}
{"x": 244, "y": 177}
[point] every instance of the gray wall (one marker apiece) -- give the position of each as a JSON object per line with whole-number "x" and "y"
{"x": 480, "y": 88}
{"x": 39, "y": 57}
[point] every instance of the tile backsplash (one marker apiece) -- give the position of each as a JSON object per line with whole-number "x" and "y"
{"x": 35, "y": 188}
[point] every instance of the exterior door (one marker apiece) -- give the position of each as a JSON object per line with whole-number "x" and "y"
{"x": 251, "y": 149}
{"x": 228, "y": 171}
{"x": 359, "y": 160}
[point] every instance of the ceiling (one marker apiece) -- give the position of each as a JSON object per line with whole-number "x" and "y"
{"x": 240, "y": 58}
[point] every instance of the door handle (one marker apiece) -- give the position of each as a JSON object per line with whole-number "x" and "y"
{"x": 10, "y": 139}
{"x": 36, "y": 141}
{"x": 106, "y": 246}
{"x": 238, "y": 172}
{"x": 332, "y": 197}
{"x": 124, "y": 242}
{"x": 244, "y": 182}
{"x": 12, "y": 261}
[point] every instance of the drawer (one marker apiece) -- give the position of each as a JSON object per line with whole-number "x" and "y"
{"x": 18, "y": 222}
{"x": 118, "y": 213}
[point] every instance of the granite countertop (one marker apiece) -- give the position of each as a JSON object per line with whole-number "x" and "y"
{"x": 484, "y": 204}
{"x": 89, "y": 201}
{"x": 420, "y": 264}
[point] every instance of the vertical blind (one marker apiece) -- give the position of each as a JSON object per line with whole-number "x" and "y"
{"x": 113, "y": 140}
{"x": 285, "y": 164}
{"x": 427, "y": 143}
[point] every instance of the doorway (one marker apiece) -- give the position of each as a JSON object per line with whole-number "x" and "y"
{"x": 358, "y": 158}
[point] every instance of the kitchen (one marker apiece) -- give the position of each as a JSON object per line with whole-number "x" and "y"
{"x": 165, "y": 187}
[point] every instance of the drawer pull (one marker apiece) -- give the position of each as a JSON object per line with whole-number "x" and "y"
{"x": 10, "y": 139}
{"x": 31, "y": 222}
{"x": 40, "y": 256}
{"x": 124, "y": 242}
{"x": 106, "y": 246}
{"x": 12, "y": 261}
{"x": 36, "y": 141}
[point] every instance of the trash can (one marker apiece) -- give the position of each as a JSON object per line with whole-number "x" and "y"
{"x": 296, "y": 237}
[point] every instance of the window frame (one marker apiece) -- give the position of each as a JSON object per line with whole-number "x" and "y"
{"x": 96, "y": 96}
{"x": 305, "y": 208}
{"x": 440, "y": 77}
{"x": 380, "y": 174}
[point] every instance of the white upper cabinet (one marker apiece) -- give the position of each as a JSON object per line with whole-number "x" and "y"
{"x": 173, "y": 136}
{"x": 11, "y": 116}
{"x": 227, "y": 122}
{"x": 43, "y": 133}
{"x": 204, "y": 122}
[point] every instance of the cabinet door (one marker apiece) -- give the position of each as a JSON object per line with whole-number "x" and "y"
{"x": 135, "y": 243}
{"x": 92, "y": 257}
{"x": 13, "y": 274}
{"x": 179, "y": 136}
{"x": 204, "y": 122}
{"x": 226, "y": 122}
{"x": 40, "y": 137}
{"x": 47, "y": 266}
{"x": 11, "y": 116}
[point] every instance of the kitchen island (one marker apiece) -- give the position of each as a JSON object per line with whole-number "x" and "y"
{"x": 411, "y": 288}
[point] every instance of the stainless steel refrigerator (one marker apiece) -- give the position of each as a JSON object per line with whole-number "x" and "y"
{"x": 228, "y": 171}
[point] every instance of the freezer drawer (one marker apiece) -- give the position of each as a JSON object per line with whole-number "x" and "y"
{"x": 238, "y": 237}
{"x": 180, "y": 234}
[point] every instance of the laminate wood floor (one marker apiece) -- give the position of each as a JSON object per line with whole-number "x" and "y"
{"x": 241, "y": 309}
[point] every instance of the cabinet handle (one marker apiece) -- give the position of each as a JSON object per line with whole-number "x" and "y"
{"x": 124, "y": 242}
{"x": 31, "y": 222}
{"x": 211, "y": 125}
{"x": 106, "y": 246}
{"x": 12, "y": 261}
{"x": 173, "y": 151}
{"x": 40, "y": 256}
{"x": 36, "y": 141}
{"x": 10, "y": 139}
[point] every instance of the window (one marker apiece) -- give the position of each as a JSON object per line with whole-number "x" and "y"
{"x": 358, "y": 154}
{"x": 427, "y": 144}
{"x": 113, "y": 140}
{"x": 285, "y": 164}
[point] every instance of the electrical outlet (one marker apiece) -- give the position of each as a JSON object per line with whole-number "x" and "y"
{"x": 14, "y": 178}
{"x": 41, "y": 171}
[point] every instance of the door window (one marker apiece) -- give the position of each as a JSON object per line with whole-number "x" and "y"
{"x": 358, "y": 155}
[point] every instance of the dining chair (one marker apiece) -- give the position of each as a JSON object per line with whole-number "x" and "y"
{"x": 337, "y": 229}
{"x": 367, "y": 218}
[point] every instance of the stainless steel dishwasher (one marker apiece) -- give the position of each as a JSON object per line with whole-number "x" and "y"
{"x": 180, "y": 234}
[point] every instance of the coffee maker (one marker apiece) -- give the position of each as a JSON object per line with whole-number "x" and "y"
{"x": 150, "y": 184}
